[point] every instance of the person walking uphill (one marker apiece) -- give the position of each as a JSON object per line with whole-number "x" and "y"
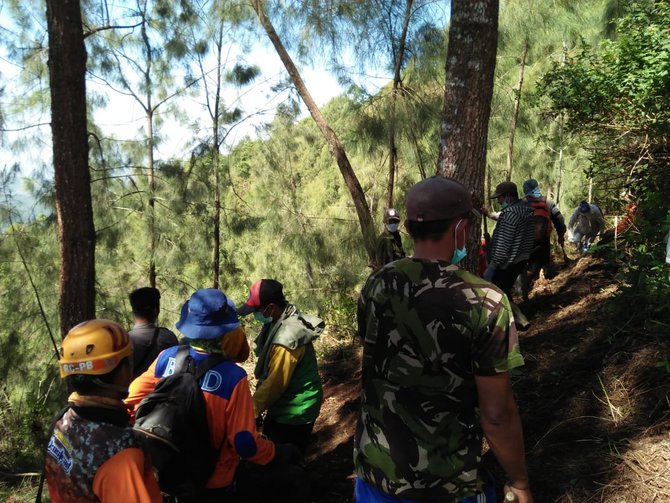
{"x": 148, "y": 339}
{"x": 585, "y": 224}
{"x": 389, "y": 243}
{"x": 289, "y": 385}
{"x": 438, "y": 345}
{"x": 93, "y": 454}
{"x": 249, "y": 466}
{"x": 512, "y": 240}
{"x": 546, "y": 217}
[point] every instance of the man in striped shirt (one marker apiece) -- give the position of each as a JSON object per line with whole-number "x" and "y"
{"x": 512, "y": 240}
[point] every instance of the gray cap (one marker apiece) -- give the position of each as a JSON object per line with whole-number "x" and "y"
{"x": 530, "y": 185}
{"x": 437, "y": 198}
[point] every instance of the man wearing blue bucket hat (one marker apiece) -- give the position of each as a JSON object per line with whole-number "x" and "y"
{"x": 249, "y": 464}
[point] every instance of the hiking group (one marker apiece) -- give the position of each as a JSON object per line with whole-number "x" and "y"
{"x": 438, "y": 347}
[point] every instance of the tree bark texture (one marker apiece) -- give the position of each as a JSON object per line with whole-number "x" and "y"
{"x": 336, "y": 147}
{"x": 76, "y": 231}
{"x": 471, "y": 59}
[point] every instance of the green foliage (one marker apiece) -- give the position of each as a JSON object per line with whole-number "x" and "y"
{"x": 285, "y": 212}
{"x": 617, "y": 99}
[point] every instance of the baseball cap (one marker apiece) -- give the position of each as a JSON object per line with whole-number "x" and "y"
{"x": 437, "y": 198}
{"x": 262, "y": 293}
{"x": 505, "y": 189}
{"x": 207, "y": 314}
{"x": 392, "y": 215}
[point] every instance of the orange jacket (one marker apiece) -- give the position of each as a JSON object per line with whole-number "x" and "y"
{"x": 230, "y": 412}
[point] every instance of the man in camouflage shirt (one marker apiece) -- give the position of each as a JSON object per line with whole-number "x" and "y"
{"x": 438, "y": 344}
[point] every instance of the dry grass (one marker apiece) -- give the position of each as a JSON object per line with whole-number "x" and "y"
{"x": 642, "y": 473}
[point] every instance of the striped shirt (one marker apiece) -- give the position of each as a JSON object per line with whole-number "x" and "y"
{"x": 513, "y": 236}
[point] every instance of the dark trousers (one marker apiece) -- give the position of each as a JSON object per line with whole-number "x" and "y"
{"x": 505, "y": 278}
{"x": 272, "y": 483}
{"x": 296, "y": 434}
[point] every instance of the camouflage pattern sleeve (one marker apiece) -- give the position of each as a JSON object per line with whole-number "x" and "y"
{"x": 496, "y": 342}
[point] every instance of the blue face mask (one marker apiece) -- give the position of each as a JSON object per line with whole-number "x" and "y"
{"x": 535, "y": 193}
{"x": 504, "y": 205}
{"x": 459, "y": 253}
{"x": 392, "y": 227}
{"x": 262, "y": 318}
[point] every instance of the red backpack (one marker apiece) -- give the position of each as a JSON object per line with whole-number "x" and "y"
{"x": 542, "y": 219}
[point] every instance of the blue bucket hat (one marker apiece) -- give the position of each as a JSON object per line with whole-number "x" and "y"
{"x": 208, "y": 314}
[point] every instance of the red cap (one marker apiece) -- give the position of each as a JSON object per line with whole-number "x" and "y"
{"x": 262, "y": 293}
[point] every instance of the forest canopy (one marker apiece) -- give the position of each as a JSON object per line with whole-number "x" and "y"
{"x": 580, "y": 102}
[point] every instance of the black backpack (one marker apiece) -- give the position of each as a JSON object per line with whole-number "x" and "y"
{"x": 173, "y": 421}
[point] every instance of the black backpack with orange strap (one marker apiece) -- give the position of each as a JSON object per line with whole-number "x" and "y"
{"x": 173, "y": 422}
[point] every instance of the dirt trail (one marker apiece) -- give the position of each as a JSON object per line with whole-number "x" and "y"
{"x": 594, "y": 398}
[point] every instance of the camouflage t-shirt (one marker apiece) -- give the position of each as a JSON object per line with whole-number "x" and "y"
{"x": 428, "y": 328}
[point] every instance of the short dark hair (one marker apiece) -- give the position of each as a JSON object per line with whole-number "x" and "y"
{"x": 428, "y": 231}
{"x": 85, "y": 384}
{"x": 145, "y": 301}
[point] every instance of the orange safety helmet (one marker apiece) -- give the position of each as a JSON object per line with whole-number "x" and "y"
{"x": 94, "y": 347}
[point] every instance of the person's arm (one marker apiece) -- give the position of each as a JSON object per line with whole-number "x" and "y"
{"x": 240, "y": 427}
{"x": 142, "y": 385}
{"x": 283, "y": 362}
{"x": 125, "y": 477}
{"x": 502, "y": 427}
{"x": 573, "y": 220}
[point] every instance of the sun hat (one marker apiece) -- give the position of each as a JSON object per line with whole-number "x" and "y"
{"x": 207, "y": 314}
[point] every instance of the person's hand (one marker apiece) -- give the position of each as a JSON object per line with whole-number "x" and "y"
{"x": 488, "y": 273}
{"x": 286, "y": 454}
{"x": 522, "y": 495}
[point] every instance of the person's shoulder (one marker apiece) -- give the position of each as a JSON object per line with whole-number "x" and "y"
{"x": 167, "y": 337}
{"x": 477, "y": 289}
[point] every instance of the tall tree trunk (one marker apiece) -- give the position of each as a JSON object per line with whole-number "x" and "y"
{"x": 336, "y": 147}
{"x": 216, "y": 161}
{"x": 471, "y": 60}
{"x": 393, "y": 152}
{"x": 76, "y": 231}
{"x": 561, "y": 119}
{"x": 149, "y": 111}
{"x": 152, "y": 199}
{"x": 515, "y": 113}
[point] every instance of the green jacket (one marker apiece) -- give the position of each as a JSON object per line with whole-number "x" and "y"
{"x": 301, "y": 401}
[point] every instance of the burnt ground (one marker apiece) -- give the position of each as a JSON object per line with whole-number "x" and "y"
{"x": 594, "y": 398}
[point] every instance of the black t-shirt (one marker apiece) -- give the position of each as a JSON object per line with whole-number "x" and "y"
{"x": 144, "y": 352}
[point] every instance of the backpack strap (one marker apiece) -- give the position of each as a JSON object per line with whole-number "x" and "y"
{"x": 185, "y": 362}
{"x": 40, "y": 487}
{"x": 149, "y": 350}
{"x": 212, "y": 360}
